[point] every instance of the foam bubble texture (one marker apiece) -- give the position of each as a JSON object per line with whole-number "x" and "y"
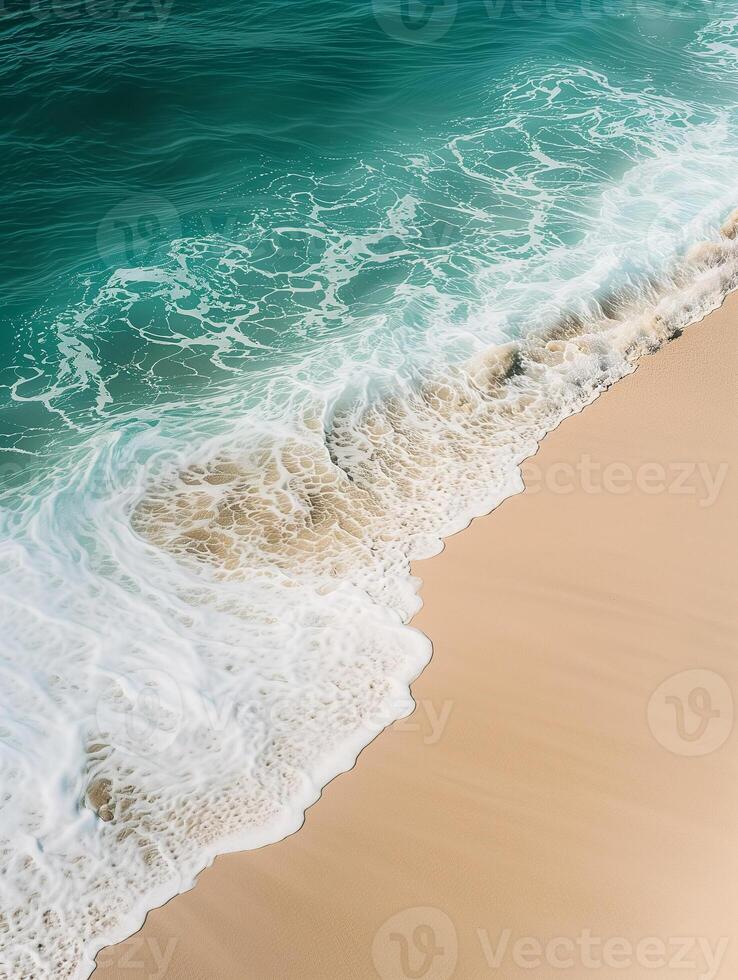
{"x": 205, "y": 575}
{"x": 253, "y": 604}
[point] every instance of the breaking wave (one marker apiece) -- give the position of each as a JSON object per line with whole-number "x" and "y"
{"x": 221, "y": 452}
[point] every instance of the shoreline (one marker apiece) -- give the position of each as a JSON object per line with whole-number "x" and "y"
{"x": 352, "y": 817}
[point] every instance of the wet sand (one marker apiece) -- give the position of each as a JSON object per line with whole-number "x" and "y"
{"x": 564, "y": 800}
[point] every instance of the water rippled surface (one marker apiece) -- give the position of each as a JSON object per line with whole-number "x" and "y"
{"x": 290, "y": 291}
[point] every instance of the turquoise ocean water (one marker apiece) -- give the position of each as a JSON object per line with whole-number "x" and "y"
{"x": 290, "y": 290}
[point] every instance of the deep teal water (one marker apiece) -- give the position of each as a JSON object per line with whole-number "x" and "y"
{"x": 130, "y": 127}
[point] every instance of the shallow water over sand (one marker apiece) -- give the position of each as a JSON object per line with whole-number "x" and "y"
{"x": 270, "y": 337}
{"x": 538, "y": 795}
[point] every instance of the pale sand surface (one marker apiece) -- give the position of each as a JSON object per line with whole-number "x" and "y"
{"x": 546, "y": 806}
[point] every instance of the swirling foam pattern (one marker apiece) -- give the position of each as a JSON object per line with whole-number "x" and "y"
{"x": 292, "y": 289}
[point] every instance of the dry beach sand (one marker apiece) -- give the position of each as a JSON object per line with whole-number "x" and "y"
{"x": 564, "y": 800}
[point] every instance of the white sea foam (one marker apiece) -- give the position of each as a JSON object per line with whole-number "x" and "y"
{"x": 716, "y": 45}
{"x": 205, "y": 606}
